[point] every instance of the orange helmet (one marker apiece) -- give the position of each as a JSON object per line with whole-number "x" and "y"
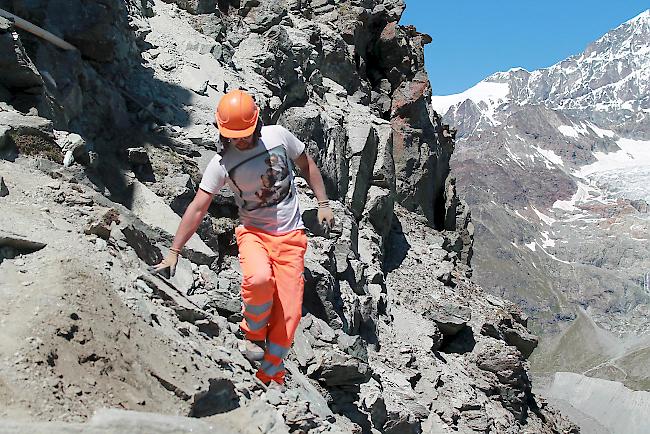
{"x": 237, "y": 114}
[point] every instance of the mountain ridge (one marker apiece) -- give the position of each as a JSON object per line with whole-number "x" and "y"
{"x": 612, "y": 70}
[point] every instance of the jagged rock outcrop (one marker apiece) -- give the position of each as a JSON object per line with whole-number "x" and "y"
{"x": 18, "y": 70}
{"x": 395, "y": 338}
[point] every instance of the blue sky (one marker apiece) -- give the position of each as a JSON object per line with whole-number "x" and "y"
{"x": 475, "y": 38}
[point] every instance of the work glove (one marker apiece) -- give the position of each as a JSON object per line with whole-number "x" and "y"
{"x": 325, "y": 217}
{"x": 168, "y": 265}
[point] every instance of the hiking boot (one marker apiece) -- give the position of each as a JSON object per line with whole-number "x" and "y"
{"x": 254, "y": 350}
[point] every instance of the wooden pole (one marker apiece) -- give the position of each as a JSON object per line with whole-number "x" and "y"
{"x": 41, "y": 33}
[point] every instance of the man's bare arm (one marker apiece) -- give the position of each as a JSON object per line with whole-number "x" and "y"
{"x": 192, "y": 218}
{"x": 312, "y": 175}
{"x": 189, "y": 223}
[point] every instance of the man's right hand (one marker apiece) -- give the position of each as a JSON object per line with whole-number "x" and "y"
{"x": 168, "y": 263}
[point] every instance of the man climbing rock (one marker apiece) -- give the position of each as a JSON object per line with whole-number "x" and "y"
{"x": 256, "y": 162}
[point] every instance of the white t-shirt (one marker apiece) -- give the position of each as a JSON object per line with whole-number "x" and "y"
{"x": 262, "y": 180}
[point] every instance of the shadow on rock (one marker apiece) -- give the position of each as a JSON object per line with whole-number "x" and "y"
{"x": 102, "y": 91}
{"x": 397, "y": 247}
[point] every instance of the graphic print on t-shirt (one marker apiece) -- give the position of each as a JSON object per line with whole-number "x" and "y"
{"x": 263, "y": 180}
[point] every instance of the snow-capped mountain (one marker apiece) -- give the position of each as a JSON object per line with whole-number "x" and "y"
{"x": 608, "y": 85}
{"x": 555, "y": 166}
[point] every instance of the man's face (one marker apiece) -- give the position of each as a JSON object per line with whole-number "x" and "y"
{"x": 243, "y": 143}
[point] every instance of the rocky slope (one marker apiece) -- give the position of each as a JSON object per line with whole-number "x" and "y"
{"x": 611, "y": 399}
{"x": 102, "y": 150}
{"x": 553, "y": 165}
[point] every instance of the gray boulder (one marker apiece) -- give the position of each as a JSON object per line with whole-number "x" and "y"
{"x": 320, "y": 331}
{"x": 4, "y": 191}
{"x": 373, "y": 403}
{"x": 350, "y": 309}
{"x": 402, "y": 423}
{"x": 337, "y": 62}
{"x": 220, "y": 397}
{"x": 363, "y": 142}
{"x": 334, "y": 368}
{"x": 512, "y": 332}
{"x": 307, "y": 392}
{"x": 383, "y": 174}
{"x": 137, "y": 155}
{"x": 100, "y": 224}
{"x": 379, "y": 209}
{"x": 322, "y": 297}
{"x": 450, "y": 318}
{"x": 302, "y": 348}
{"x": 262, "y": 15}
{"x": 508, "y": 366}
{"x": 141, "y": 238}
{"x": 196, "y": 6}
{"x": 12, "y": 245}
{"x": 520, "y": 338}
{"x": 353, "y": 346}
{"x": 224, "y": 303}
{"x": 74, "y": 149}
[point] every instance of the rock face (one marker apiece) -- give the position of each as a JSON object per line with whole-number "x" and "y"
{"x": 395, "y": 337}
{"x": 18, "y": 70}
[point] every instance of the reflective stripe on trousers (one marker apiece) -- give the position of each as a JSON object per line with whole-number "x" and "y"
{"x": 272, "y": 279}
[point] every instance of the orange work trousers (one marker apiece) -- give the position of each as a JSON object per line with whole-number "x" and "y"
{"x": 272, "y": 292}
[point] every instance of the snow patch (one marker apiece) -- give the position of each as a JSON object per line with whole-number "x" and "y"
{"x": 627, "y": 105}
{"x": 555, "y": 258}
{"x": 531, "y": 245}
{"x": 550, "y": 156}
{"x": 521, "y": 216}
{"x": 579, "y": 196}
{"x": 568, "y": 131}
{"x": 581, "y": 129}
{"x": 514, "y": 157}
{"x": 492, "y": 94}
{"x": 546, "y": 219}
{"x": 600, "y": 132}
{"x": 633, "y": 153}
{"x": 547, "y": 241}
{"x": 624, "y": 173}
{"x": 517, "y": 69}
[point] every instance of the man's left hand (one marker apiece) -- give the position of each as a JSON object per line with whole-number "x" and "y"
{"x": 325, "y": 218}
